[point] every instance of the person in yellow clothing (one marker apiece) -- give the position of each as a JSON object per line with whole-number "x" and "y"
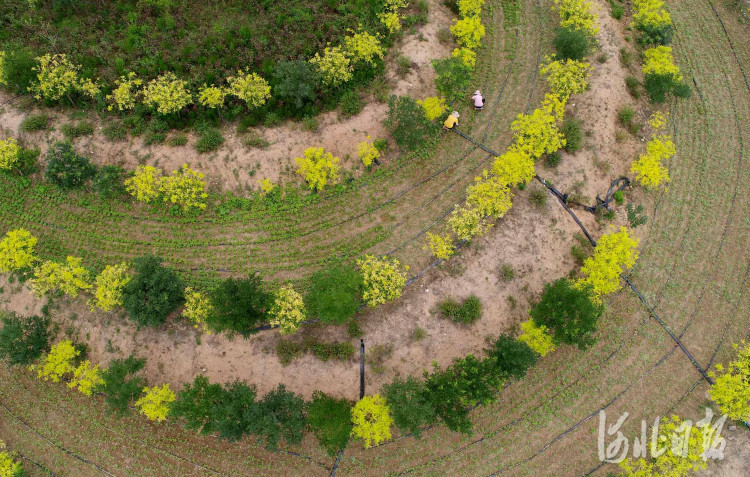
{"x": 451, "y": 121}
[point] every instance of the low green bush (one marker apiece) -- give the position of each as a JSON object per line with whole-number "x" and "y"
{"x": 73, "y": 131}
{"x": 572, "y": 129}
{"x": 350, "y": 103}
{"x": 209, "y": 139}
{"x": 35, "y": 122}
{"x": 467, "y": 312}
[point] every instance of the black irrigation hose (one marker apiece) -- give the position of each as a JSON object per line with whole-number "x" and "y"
{"x": 66, "y": 451}
{"x": 632, "y": 287}
{"x": 33, "y": 462}
{"x": 361, "y": 395}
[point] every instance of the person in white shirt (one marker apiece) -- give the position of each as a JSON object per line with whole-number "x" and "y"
{"x": 478, "y": 100}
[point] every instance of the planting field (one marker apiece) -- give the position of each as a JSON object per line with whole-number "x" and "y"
{"x": 693, "y": 271}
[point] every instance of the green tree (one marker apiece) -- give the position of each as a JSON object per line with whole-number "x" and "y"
{"x": 334, "y": 294}
{"x": 196, "y": 403}
{"x": 295, "y": 83}
{"x": 279, "y": 415}
{"x": 66, "y": 169}
{"x": 239, "y": 305}
{"x": 571, "y": 312}
{"x": 23, "y": 340}
{"x": 409, "y": 403}
{"x": 444, "y": 395}
{"x": 453, "y": 77}
{"x": 512, "y": 357}
{"x": 153, "y": 293}
{"x": 330, "y": 420}
{"x": 572, "y": 44}
{"x": 120, "y": 385}
{"x": 407, "y": 123}
{"x": 232, "y": 411}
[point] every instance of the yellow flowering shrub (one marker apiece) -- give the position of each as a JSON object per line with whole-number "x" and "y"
{"x": 434, "y": 107}
{"x": 8, "y": 466}
{"x": 17, "y": 250}
{"x": 440, "y": 247}
{"x": 468, "y": 32}
{"x": 390, "y": 20}
{"x": 58, "y": 362}
{"x": 9, "y": 150}
{"x": 536, "y": 337}
{"x": 318, "y": 167}
{"x": 250, "y": 88}
{"x": 167, "y": 94}
{"x": 732, "y": 388}
{"x": 185, "y": 187}
{"x": 123, "y": 97}
{"x": 384, "y": 279}
{"x": 69, "y": 278}
{"x": 266, "y": 186}
{"x": 109, "y": 285}
{"x": 676, "y": 461}
{"x": 650, "y": 13}
{"x": 490, "y": 196}
{"x": 334, "y": 66}
{"x": 659, "y": 61}
{"x": 86, "y": 378}
{"x": 537, "y": 133}
{"x": 566, "y": 77}
{"x": 615, "y": 253}
{"x": 578, "y": 15}
{"x": 372, "y": 420}
{"x": 57, "y": 76}
{"x": 212, "y": 96}
{"x": 288, "y": 310}
{"x": 470, "y": 8}
{"x": 197, "y": 309}
{"x": 514, "y": 167}
{"x": 154, "y": 404}
{"x": 364, "y": 47}
{"x": 2, "y": 68}
{"x": 657, "y": 121}
{"x": 467, "y": 223}
{"x": 648, "y": 169}
{"x": 367, "y": 152}
{"x": 145, "y": 183}
{"x": 466, "y": 55}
